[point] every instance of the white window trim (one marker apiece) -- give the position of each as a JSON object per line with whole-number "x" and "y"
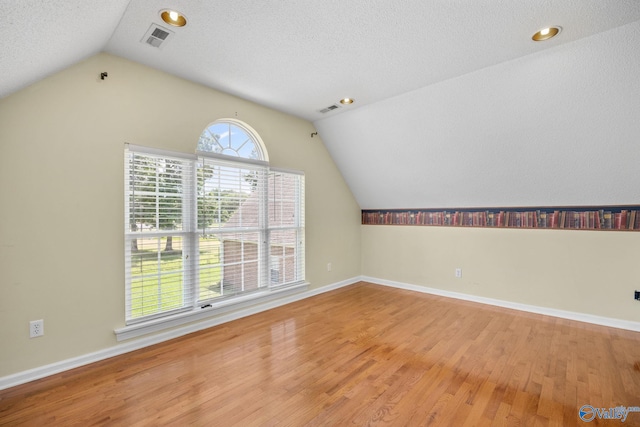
{"x": 248, "y": 130}
{"x": 218, "y": 308}
{"x": 215, "y": 308}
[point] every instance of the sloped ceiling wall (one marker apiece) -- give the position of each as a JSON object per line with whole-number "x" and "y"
{"x": 40, "y": 38}
{"x": 440, "y": 119}
{"x": 559, "y": 128}
{"x": 300, "y": 57}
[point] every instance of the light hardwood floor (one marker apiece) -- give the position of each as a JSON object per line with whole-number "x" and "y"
{"x": 360, "y": 355}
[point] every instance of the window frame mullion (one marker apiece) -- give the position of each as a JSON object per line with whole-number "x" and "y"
{"x": 191, "y": 259}
{"x": 264, "y": 254}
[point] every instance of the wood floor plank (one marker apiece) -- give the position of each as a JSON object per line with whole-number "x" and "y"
{"x": 360, "y": 355}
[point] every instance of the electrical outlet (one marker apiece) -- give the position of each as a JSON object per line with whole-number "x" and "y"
{"x": 36, "y": 328}
{"x": 458, "y": 273}
{"x": 328, "y": 266}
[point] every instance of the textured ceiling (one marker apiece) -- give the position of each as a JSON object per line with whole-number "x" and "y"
{"x": 302, "y": 56}
{"x": 555, "y": 128}
{"x": 297, "y": 56}
{"x": 455, "y": 104}
{"x": 39, "y": 38}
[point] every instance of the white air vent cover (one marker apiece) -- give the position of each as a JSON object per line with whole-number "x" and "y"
{"x": 157, "y": 36}
{"x": 329, "y": 108}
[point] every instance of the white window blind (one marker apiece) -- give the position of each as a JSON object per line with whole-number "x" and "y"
{"x": 231, "y": 228}
{"x": 286, "y": 227}
{"x": 158, "y": 207}
{"x": 199, "y": 230}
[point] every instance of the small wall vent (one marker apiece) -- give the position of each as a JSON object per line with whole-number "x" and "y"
{"x": 157, "y": 36}
{"x": 329, "y": 108}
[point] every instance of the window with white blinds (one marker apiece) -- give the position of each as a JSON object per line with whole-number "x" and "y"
{"x": 286, "y": 227}
{"x": 158, "y": 204}
{"x": 231, "y": 228}
{"x": 206, "y": 228}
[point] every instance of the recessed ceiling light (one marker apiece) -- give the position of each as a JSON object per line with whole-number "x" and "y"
{"x": 346, "y": 101}
{"x": 173, "y": 17}
{"x": 546, "y": 34}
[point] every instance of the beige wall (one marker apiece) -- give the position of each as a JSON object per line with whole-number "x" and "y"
{"x": 589, "y": 272}
{"x": 61, "y": 197}
{"x": 61, "y": 216}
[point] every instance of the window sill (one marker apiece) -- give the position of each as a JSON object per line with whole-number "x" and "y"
{"x": 258, "y": 302}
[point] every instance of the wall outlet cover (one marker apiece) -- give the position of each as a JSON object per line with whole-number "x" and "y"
{"x": 36, "y": 328}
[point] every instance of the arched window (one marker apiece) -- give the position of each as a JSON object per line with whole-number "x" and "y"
{"x": 210, "y": 229}
{"x": 232, "y": 138}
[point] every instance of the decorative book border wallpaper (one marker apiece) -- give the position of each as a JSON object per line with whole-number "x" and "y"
{"x": 574, "y": 218}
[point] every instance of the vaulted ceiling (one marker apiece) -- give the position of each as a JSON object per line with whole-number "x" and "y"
{"x": 398, "y": 59}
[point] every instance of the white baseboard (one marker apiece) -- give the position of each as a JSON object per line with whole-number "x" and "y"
{"x": 136, "y": 344}
{"x": 580, "y": 317}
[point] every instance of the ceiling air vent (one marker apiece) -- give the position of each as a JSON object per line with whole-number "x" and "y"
{"x": 157, "y": 36}
{"x": 329, "y": 108}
